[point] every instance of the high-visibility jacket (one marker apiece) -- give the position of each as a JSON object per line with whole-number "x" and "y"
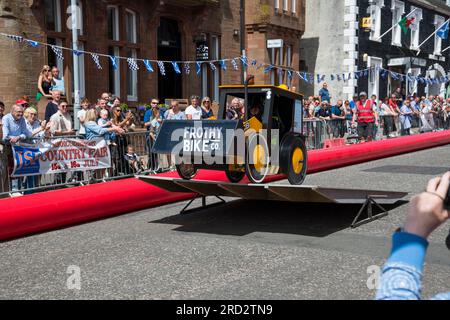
{"x": 365, "y": 112}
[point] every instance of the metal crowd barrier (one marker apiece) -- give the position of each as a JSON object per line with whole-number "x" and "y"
{"x": 315, "y": 133}
{"x": 121, "y": 168}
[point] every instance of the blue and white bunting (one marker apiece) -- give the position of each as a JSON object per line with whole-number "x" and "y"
{"x": 132, "y": 64}
{"x": 213, "y": 67}
{"x": 187, "y": 68}
{"x": 113, "y": 62}
{"x": 289, "y": 75}
{"x": 32, "y": 43}
{"x": 162, "y": 68}
{"x": 268, "y": 69}
{"x": 223, "y": 65}
{"x": 148, "y": 65}
{"x": 199, "y": 68}
{"x": 332, "y": 77}
{"x": 15, "y": 38}
{"x": 77, "y": 53}
{"x": 96, "y": 60}
{"x": 176, "y": 67}
{"x": 244, "y": 62}
{"x": 234, "y": 64}
{"x": 58, "y": 52}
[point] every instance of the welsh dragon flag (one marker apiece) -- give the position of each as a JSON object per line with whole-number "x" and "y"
{"x": 407, "y": 23}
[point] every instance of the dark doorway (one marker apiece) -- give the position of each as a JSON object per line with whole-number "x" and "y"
{"x": 169, "y": 49}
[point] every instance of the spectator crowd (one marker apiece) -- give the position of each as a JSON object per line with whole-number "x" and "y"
{"x": 371, "y": 118}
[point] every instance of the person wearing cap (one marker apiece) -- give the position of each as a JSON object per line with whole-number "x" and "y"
{"x": 366, "y": 118}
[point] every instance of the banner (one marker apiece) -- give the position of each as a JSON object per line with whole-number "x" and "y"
{"x": 60, "y": 155}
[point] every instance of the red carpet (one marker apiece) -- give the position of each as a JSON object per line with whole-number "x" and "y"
{"x": 56, "y": 209}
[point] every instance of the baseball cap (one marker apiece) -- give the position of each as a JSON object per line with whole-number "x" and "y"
{"x": 363, "y": 93}
{"x": 21, "y": 101}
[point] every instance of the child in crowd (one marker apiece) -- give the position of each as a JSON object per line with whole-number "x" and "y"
{"x": 134, "y": 161}
{"x": 105, "y": 122}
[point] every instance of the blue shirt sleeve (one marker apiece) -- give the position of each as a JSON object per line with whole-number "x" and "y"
{"x": 148, "y": 115}
{"x": 401, "y": 277}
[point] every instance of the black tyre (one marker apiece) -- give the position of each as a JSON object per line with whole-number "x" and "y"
{"x": 234, "y": 176}
{"x": 258, "y": 158}
{"x": 186, "y": 171}
{"x": 294, "y": 159}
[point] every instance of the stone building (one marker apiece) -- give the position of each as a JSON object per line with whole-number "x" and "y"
{"x": 336, "y": 41}
{"x": 157, "y": 30}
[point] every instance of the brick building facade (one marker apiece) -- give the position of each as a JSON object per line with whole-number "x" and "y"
{"x": 157, "y": 30}
{"x": 335, "y": 42}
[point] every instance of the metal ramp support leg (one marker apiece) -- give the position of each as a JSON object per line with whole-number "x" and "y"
{"x": 368, "y": 207}
{"x": 203, "y": 206}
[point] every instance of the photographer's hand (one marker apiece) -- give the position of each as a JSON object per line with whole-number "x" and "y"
{"x": 426, "y": 211}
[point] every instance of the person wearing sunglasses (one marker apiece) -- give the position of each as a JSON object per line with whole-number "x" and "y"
{"x": 38, "y": 128}
{"x": 149, "y": 113}
{"x": 45, "y": 83}
{"x": 61, "y": 122}
{"x": 207, "y": 112}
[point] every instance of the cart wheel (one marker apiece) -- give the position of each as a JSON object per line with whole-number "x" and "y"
{"x": 234, "y": 176}
{"x": 186, "y": 171}
{"x": 258, "y": 158}
{"x": 294, "y": 159}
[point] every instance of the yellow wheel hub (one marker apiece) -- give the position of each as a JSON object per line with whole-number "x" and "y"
{"x": 259, "y": 158}
{"x": 297, "y": 160}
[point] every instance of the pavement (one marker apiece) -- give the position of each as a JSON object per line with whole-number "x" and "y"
{"x": 240, "y": 250}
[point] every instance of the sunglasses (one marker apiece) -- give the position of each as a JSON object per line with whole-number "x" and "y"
{"x": 118, "y": 110}
{"x": 154, "y": 103}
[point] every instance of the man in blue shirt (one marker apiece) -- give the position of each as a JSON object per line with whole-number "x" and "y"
{"x": 149, "y": 113}
{"x": 14, "y": 126}
{"x": 402, "y": 274}
{"x": 59, "y": 82}
{"x": 324, "y": 93}
{"x": 353, "y": 102}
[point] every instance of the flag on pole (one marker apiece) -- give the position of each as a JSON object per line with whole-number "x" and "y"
{"x": 406, "y": 23}
{"x": 443, "y": 31}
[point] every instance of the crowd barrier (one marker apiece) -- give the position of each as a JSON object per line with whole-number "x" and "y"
{"x": 120, "y": 167}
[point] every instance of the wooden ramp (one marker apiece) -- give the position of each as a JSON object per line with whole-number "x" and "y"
{"x": 287, "y": 193}
{"x": 274, "y": 192}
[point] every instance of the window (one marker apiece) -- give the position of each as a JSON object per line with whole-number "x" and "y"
{"x": 132, "y": 78}
{"x": 114, "y": 75}
{"x": 277, "y": 5}
{"x": 438, "y": 21}
{"x": 398, "y": 9}
{"x": 285, "y": 5}
{"x": 130, "y": 26}
{"x": 375, "y": 15}
{"x": 415, "y": 28}
{"x": 294, "y": 6}
{"x": 53, "y": 15}
{"x": 113, "y": 23}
